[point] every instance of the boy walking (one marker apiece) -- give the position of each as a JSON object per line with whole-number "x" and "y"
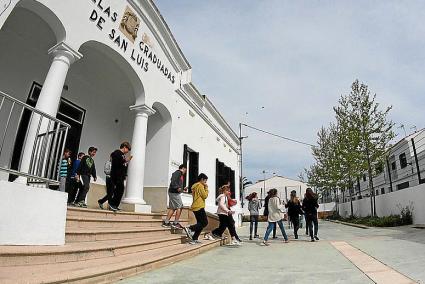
{"x": 85, "y": 171}
{"x": 75, "y": 184}
{"x": 64, "y": 170}
{"x": 175, "y": 200}
{"x": 118, "y": 173}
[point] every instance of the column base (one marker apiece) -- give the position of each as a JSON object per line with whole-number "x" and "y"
{"x": 137, "y": 208}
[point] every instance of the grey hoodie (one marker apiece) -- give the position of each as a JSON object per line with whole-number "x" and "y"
{"x": 254, "y": 207}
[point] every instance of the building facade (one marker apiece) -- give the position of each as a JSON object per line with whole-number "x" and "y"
{"x": 112, "y": 71}
{"x": 283, "y": 185}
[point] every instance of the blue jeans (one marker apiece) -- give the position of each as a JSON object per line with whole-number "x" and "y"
{"x": 273, "y": 225}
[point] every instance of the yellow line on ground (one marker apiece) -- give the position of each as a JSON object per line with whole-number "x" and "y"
{"x": 377, "y": 271}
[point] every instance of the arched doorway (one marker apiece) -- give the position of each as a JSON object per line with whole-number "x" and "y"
{"x": 157, "y": 166}
{"x": 104, "y": 85}
{"x": 25, "y": 38}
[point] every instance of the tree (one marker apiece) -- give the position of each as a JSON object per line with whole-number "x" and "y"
{"x": 352, "y": 145}
{"x": 376, "y": 130}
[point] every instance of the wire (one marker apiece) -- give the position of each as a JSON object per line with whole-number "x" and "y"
{"x": 276, "y": 135}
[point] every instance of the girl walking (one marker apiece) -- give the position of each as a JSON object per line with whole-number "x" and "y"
{"x": 254, "y": 207}
{"x": 275, "y": 216}
{"x": 266, "y": 211}
{"x": 310, "y": 206}
{"x": 294, "y": 211}
{"x": 225, "y": 216}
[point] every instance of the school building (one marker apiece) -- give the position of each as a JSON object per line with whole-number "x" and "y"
{"x": 81, "y": 73}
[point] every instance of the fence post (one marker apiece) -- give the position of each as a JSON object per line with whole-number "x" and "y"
{"x": 416, "y": 161}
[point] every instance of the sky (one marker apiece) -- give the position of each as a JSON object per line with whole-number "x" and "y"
{"x": 282, "y": 65}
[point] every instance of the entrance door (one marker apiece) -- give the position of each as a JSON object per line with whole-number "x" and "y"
{"x": 73, "y": 115}
{"x": 68, "y": 112}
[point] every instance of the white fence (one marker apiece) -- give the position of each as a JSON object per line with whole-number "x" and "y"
{"x": 391, "y": 203}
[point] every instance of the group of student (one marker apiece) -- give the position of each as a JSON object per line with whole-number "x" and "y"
{"x": 274, "y": 210}
{"x": 75, "y": 176}
{"x": 199, "y": 191}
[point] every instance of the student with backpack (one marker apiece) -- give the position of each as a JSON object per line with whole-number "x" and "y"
{"x": 225, "y": 216}
{"x": 109, "y": 186}
{"x": 254, "y": 207}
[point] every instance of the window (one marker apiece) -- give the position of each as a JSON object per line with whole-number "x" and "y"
{"x": 71, "y": 111}
{"x": 403, "y": 185}
{"x": 364, "y": 177}
{"x": 403, "y": 160}
{"x": 379, "y": 168}
{"x": 393, "y": 166}
{"x": 223, "y": 175}
{"x": 383, "y": 190}
{"x": 191, "y": 160}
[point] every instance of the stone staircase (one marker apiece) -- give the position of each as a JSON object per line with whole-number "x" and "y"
{"x": 101, "y": 247}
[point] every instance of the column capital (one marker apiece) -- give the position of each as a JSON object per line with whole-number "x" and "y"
{"x": 142, "y": 109}
{"x": 62, "y": 51}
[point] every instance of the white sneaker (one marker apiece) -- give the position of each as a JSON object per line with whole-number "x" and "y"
{"x": 188, "y": 232}
{"x": 209, "y": 237}
{"x": 235, "y": 243}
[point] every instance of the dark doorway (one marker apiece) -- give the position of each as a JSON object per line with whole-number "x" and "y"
{"x": 191, "y": 160}
{"x": 68, "y": 112}
{"x": 223, "y": 175}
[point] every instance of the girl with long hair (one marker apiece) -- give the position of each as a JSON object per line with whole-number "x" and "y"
{"x": 275, "y": 216}
{"x": 294, "y": 211}
{"x": 225, "y": 216}
{"x": 310, "y": 206}
{"x": 254, "y": 207}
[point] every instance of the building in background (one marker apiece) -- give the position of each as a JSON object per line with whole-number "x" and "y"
{"x": 283, "y": 185}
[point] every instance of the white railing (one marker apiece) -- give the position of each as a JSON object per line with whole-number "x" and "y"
{"x": 46, "y": 147}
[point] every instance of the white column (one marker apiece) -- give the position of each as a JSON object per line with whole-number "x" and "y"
{"x": 48, "y": 101}
{"x": 136, "y": 168}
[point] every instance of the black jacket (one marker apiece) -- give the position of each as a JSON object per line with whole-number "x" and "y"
{"x": 266, "y": 206}
{"x": 294, "y": 209}
{"x": 176, "y": 183}
{"x": 85, "y": 168}
{"x": 310, "y": 206}
{"x": 118, "y": 166}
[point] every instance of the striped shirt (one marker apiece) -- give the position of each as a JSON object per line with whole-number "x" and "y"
{"x": 64, "y": 168}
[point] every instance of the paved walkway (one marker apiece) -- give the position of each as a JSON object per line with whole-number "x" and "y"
{"x": 343, "y": 255}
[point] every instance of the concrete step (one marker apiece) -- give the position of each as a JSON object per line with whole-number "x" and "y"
{"x": 89, "y": 222}
{"x": 34, "y": 255}
{"x": 103, "y": 270}
{"x": 100, "y": 234}
{"x": 103, "y": 214}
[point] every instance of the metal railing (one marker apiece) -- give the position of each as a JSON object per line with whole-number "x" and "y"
{"x": 25, "y": 130}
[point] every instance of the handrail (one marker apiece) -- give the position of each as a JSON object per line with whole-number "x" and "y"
{"x": 34, "y": 109}
{"x": 42, "y": 146}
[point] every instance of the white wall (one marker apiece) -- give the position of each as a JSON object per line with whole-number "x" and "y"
{"x": 388, "y": 204}
{"x": 31, "y": 216}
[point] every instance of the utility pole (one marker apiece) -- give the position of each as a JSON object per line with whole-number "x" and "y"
{"x": 241, "y": 187}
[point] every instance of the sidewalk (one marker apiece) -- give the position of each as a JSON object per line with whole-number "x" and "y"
{"x": 301, "y": 261}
